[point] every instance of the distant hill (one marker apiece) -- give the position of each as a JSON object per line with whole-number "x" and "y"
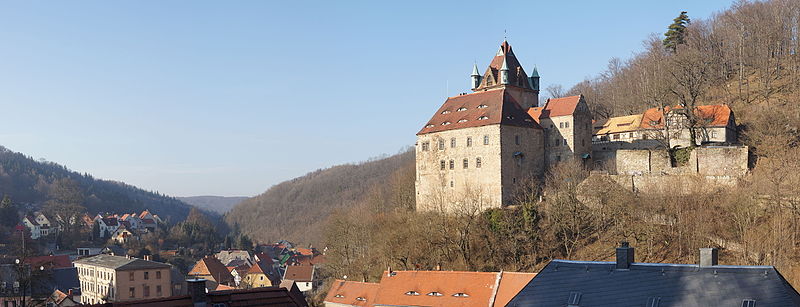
{"x": 27, "y": 181}
{"x": 297, "y": 209}
{"x": 219, "y": 204}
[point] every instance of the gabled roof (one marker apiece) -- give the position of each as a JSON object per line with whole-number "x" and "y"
{"x": 556, "y": 107}
{"x": 479, "y": 109}
{"x": 686, "y": 285}
{"x": 352, "y": 293}
{"x": 120, "y": 263}
{"x": 302, "y": 273}
{"x": 211, "y": 268}
{"x": 60, "y": 261}
{"x": 510, "y": 284}
{"x": 618, "y": 124}
{"x": 710, "y": 116}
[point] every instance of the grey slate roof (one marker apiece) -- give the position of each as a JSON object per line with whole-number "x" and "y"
{"x": 686, "y": 285}
{"x": 120, "y": 263}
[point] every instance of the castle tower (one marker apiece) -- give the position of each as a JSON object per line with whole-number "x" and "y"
{"x": 479, "y": 149}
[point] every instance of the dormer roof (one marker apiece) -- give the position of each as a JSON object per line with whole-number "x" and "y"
{"x": 504, "y": 59}
{"x": 479, "y": 109}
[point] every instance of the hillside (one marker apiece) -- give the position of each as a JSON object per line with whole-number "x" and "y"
{"x": 28, "y": 181}
{"x": 297, "y": 210}
{"x": 218, "y": 204}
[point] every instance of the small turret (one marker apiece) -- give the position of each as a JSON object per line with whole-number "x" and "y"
{"x": 476, "y": 77}
{"x": 534, "y": 79}
{"x": 504, "y": 72}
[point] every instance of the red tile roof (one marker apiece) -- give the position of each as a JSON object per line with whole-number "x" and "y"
{"x": 510, "y": 284}
{"x": 352, "y": 293}
{"x": 710, "y": 115}
{"x": 55, "y": 262}
{"x": 479, "y": 109}
{"x": 436, "y": 288}
{"x": 559, "y": 106}
{"x": 211, "y": 268}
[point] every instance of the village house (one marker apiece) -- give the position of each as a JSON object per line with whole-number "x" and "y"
{"x": 39, "y": 225}
{"x": 262, "y": 274}
{"x": 629, "y": 283}
{"x": 212, "y": 271}
{"x": 106, "y": 278}
{"x": 303, "y": 276}
{"x": 430, "y": 288}
{"x": 716, "y": 124}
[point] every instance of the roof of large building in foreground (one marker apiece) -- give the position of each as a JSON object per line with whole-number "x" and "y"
{"x": 479, "y": 109}
{"x": 121, "y": 263}
{"x": 589, "y": 283}
{"x": 431, "y": 288}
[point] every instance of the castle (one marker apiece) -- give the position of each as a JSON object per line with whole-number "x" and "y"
{"x": 480, "y": 148}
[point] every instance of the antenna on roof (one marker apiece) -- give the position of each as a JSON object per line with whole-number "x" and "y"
{"x": 505, "y": 35}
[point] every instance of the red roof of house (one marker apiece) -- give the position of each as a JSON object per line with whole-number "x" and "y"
{"x": 55, "y": 262}
{"x": 710, "y": 116}
{"x": 556, "y": 107}
{"x": 511, "y": 283}
{"x": 479, "y": 109}
{"x": 436, "y": 288}
{"x": 211, "y": 268}
{"x": 352, "y": 293}
{"x": 305, "y": 251}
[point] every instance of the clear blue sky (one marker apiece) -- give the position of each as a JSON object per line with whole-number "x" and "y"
{"x": 231, "y": 97}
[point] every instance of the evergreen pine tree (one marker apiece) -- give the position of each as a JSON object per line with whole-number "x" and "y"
{"x": 676, "y": 33}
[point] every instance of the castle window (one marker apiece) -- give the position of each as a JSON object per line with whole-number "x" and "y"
{"x": 429, "y": 126}
{"x": 469, "y": 141}
{"x": 442, "y": 164}
{"x": 558, "y": 142}
{"x": 446, "y": 112}
{"x": 483, "y": 118}
{"x": 566, "y": 124}
{"x": 426, "y": 146}
{"x": 445, "y": 123}
{"x": 452, "y": 184}
{"x": 477, "y": 162}
{"x": 462, "y": 120}
{"x": 453, "y": 143}
{"x": 565, "y": 142}
{"x": 461, "y": 109}
{"x": 516, "y": 139}
{"x": 558, "y": 158}
{"x": 561, "y": 125}
{"x": 482, "y": 106}
{"x": 452, "y": 164}
{"x": 466, "y": 163}
{"x": 441, "y": 144}
{"x": 485, "y": 140}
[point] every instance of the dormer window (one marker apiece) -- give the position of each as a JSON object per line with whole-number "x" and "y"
{"x": 461, "y": 109}
{"x": 462, "y": 120}
{"x": 360, "y": 299}
{"x": 434, "y": 293}
{"x": 338, "y": 296}
{"x": 446, "y": 112}
{"x": 445, "y": 123}
{"x": 429, "y": 126}
{"x": 483, "y": 118}
{"x": 460, "y": 294}
{"x": 412, "y": 293}
{"x": 482, "y": 106}
{"x": 510, "y": 117}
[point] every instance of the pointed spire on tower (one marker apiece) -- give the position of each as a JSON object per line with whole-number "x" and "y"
{"x": 475, "y": 76}
{"x": 535, "y": 72}
{"x": 534, "y": 79}
{"x": 504, "y": 71}
{"x": 475, "y": 70}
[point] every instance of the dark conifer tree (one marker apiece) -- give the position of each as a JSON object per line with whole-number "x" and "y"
{"x": 676, "y": 32}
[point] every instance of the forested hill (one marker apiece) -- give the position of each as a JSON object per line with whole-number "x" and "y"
{"x": 298, "y": 209}
{"x": 218, "y": 204}
{"x": 28, "y": 181}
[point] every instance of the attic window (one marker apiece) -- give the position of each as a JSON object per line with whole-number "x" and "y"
{"x": 460, "y": 294}
{"x": 461, "y": 109}
{"x": 462, "y": 120}
{"x": 748, "y": 303}
{"x": 360, "y": 299}
{"x": 429, "y": 126}
{"x": 445, "y": 123}
{"x": 574, "y": 299}
{"x": 483, "y": 118}
{"x": 414, "y": 293}
{"x": 510, "y": 117}
{"x": 434, "y": 293}
{"x": 339, "y": 296}
{"x": 446, "y": 112}
{"x": 482, "y": 106}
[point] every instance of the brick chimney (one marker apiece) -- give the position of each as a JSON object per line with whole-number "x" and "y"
{"x": 708, "y": 257}
{"x": 197, "y": 290}
{"x": 624, "y": 256}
